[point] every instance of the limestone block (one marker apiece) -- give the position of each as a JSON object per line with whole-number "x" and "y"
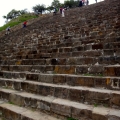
{"x": 38, "y": 69}
{"x": 71, "y": 61}
{"x": 92, "y": 53}
{"x": 44, "y": 105}
{"x": 65, "y": 93}
{"x": 100, "y": 82}
{"x": 115, "y": 100}
{"x": 75, "y": 95}
{"x": 24, "y": 86}
{"x": 79, "y": 48}
{"x": 109, "y": 52}
{"x": 24, "y": 68}
{"x": 77, "y": 54}
{"x": 112, "y": 71}
{"x": 5, "y": 68}
{"x": 96, "y": 69}
{"x": 7, "y": 75}
{"x": 45, "y": 90}
{"x": 61, "y": 109}
{"x": 65, "y": 69}
{"x": 96, "y": 97}
{"x": 17, "y": 85}
{"x": 88, "y": 81}
{"x": 72, "y": 80}
{"x": 58, "y": 92}
{"x": 27, "y": 62}
{"x": 32, "y": 88}
{"x": 61, "y": 61}
{"x": 64, "y": 55}
{"x": 48, "y": 78}
{"x": 59, "y": 79}
{"x": 81, "y": 69}
{"x": 88, "y": 47}
{"x": 10, "y": 115}
{"x": 31, "y": 76}
{"x": 16, "y": 99}
{"x": 114, "y": 114}
{"x": 79, "y": 113}
{"x": 97, "y": 46}
{"x": 100, "y": 113}
{"x": 68, "y": 49}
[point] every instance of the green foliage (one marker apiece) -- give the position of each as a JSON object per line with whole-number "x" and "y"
{"x": 39, "y": 8}
{"x": 50, "y": 8}
{"x": 56, "y": 3}
{"x": 14, "y": 14}
{"x": 71, "y": 3}
{"x": 10, "y": 102}
{"x": 71, "y": 119}
{"x": 95, "y": 105}
{"x": 18, "y": 20}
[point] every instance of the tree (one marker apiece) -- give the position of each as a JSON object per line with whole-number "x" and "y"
{"x": 39, "y": 8}
{"x": 50, "y": 8}
{"x": 14, "y": 14}
{"x": 56, "y": 4}
{"x": 71, "y": 3}
{"x": 23, "y": 11}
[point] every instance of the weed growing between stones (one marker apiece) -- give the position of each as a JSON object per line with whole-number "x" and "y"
{"x": 95, "y": 105}
{"x": 71, "y": 119}
{"x": 10, "y": 102}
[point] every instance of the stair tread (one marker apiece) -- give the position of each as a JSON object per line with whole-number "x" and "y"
{"x": 35, "y": 115}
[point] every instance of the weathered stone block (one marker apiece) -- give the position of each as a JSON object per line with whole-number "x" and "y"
{"x": 72, "y": 80}
{"x": 115, "y": 100}
{"x": 45, "y": 90}
{"x": 31, "y": 76}
{"x": 16, "y": 99}
{"x": 46, "y": 78}
{"x": 109, "y": 52}
{"x": 27, "y": 62}
{"x": 71, "y": 61}
{"x": 81, "y": 69}
{"x": 57, "y": 79}
{"x": 97, "y": 46}
{"x": 75, "y": 95}
{"x": 39, "y": 62}
{"x": 61, "y": 109}
{"x": 100, "y": 82}
{"x": 65, "y": 69}
{"x": 96, "y": 97}
{"x": 79, "y": 113}
{"x": 33, "y": 88}
{"x": 43, "y": 105}
{"x": 10, "y": 115}
{"x": 96, "y": 69}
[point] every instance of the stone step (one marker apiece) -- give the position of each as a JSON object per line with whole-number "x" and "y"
{"x": 111, "y": 60}
{"x": 13, "y": 112}
{"x": 54, "y": 61}
{"x": 60, "y": 106}
{"x": 88, "y": 80}
{"x": 57, "y": 69}
{"x": 79, "y": 94}
{"x": 65, "y": 61}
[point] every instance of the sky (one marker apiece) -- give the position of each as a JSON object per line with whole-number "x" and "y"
{"x": 7, "y": 5}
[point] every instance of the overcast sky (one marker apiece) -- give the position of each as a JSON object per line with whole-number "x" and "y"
{"x": 7, "y": 5}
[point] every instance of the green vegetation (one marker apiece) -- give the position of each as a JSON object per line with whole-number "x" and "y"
{"x": 95, "y": 105}
{"x": 71, "y": 119}
{"x": 99, "y": 75}
{"x": 10, "y": 102}
{"x": 18, "y": 20}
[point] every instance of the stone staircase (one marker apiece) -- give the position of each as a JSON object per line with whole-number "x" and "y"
{"x": 58, "y": 68}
